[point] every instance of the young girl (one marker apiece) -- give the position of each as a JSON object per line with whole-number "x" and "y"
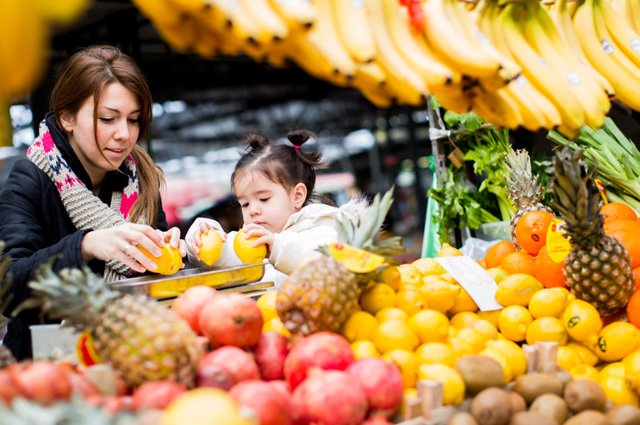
{"x": 274, "y": 185}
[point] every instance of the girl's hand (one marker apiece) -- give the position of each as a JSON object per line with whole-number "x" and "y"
{"x": 120, "y": 243}
{"x": 172, "y": 237}
{"x": 263, "y": 235}
{"x": 202, "y": 229}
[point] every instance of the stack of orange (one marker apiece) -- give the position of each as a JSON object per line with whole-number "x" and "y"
{"x": 621, "y": 222}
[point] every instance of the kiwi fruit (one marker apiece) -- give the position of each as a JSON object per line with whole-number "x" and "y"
{"x": 442, "y": 415}
{"x": 532, "y": 418}
{"x": 624, "y": 414}
{"x": 517, "y": 402}
{"x": 532, "y": 385}
{"x": 583, "y": 394}
{"x": 588, "y": 417}
{"x": 491, "y": 407}
{"x": 479, "y": 372}
{"x": 551, "y": 405}
{"x": 462, "y": 418}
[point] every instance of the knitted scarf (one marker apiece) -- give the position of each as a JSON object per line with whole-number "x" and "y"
{"x": 85, "y": 209}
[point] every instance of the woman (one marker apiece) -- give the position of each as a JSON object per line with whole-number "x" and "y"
{"x": 86, "y": 193}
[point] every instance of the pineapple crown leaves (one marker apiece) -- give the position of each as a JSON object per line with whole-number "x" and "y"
{"x": 78, "y": 295}
{"x": 523, "y": 183}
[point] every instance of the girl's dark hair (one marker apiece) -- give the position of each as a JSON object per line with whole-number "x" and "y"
{"x": 284, "y": 164}
{"x": 87, "y": 73}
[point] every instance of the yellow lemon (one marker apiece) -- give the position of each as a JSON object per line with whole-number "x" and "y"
{"x": 430, "y": 326}
{"x": 440, "y": 295}
{"x": 632, "y": 363}
{"x": 568, "y": 357}
{"x": 473, "y": 337}
{"x": 461, "y": 346}
{"x": 497, "y": 274}
{"x": 448, "y": 278}
{"x": 364, "y": 349}
{"x": 394, "y": 334}
{"x": 490, "y": 316}
{"x": 391, "y": 276}
{"x": 502, "y": 359}
{"x": 359, "y": 326}
{"x": 583, "y": 371}
{"x": 204, "y": 406}
{"x": 464, "y": 302}
{"x": 410, "y": 300}
{"x": 514, "y": 321}
{"x": 463, "y": 319}
{"x": 391, "y": 313}
{"x": 409, "y": 275}
{"x": 407, "y": 362}
{"x": 517, "y": 289}
{"x": 452, "y": 383}
{"x": 548, "y": 302}
{"x": 587, "y": 356}
{"x": 449, "y": 251}
{"x": 616, "y": 341}
{"x": 276, "y": 325}
{"x": 211, "y": 247}
{"x": 428, "y": 266}
{"x": 617, "y": 390}
{"x": 246, "y": 252}
{"x": 377, "y": 297}
{"x": 546, "y": 329}
{"x": 267, "y": 305}
{"x": 514, "y": 354}
{"x": 169, "y": 261}
{"x": 485, "y": 328}
{"x": 582, "y": 321}
{"x": 436, "y": 352}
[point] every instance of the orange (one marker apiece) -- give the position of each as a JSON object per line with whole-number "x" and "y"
{"x": 617, "y": 211}
{"x": 636, "y": 273}
{"x": 633, "y": 309}
{"x": 531, "y": 230}
{"x": 518, "y": 262}
{"x": 626, "y": 232}
{"x": 548, "y": 272}
{"x": 497, "y": 252}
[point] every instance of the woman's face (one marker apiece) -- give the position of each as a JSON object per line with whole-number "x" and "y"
{"x": 117, "y": 129}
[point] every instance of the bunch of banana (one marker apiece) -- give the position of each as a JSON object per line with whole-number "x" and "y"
{"x": 630, "y": 9}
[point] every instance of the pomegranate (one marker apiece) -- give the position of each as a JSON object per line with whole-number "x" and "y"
{"x": 377, "y": 420}
{"x": 189, "y": 304}
{"x": 214, "y": 375}
{"x": 270, "y": 353}
{"x": 8, "y": 388}
{"x": 115, "y": 404}
{"x": 240, "y": 363}
{"x": 82, "y": 387}
{"x": 330, "y": 398}
{"x": 41, "y": 381}
{"x": 156, "y": 394}
{"x": 281, "y": 386}
{"x": 324, "y": 350}
{"x": 381, "y": 381}
{"x": 270, "y": 407}
{"x": 231, "y": 319}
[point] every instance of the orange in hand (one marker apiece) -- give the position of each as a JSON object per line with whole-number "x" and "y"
{"x": 497, "y": 252}
{"x": 531, "y": 230}
{"x": 548, "y": 272}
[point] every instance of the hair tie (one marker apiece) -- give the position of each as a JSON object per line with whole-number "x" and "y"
{"x": 297, "y": 146}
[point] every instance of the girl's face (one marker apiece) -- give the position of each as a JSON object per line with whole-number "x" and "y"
{"x": 265, "y": 202}
{"x": 117, "y": 129}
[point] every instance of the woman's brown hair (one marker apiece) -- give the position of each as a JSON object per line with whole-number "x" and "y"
{"x": 87, "y": 73}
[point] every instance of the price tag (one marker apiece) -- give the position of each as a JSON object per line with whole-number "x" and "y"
{"x": 85, "y": 350}
{"x": 602, "y": 190}
{"x": 479, "y": 284}
{"x": 557, "y": 244}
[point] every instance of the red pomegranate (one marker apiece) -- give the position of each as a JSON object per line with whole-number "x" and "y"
{"x": 8, "y": 388}
{"x": 41, "y": 381}
{"x": 381, "y": 381}
{"x": 214, "y": 375}
{"x": 330, "y": 398}
{"x": 240, "y": 363}
{"x": 270, "y": 353}
{"x": 271, "y": 407}
{"x": 324, "y": 350}
{"x": 231, "y": 319}
{"x": 189, "y": 304}
{"x": 156, "y": 394}
{"x": 377, "y": 420}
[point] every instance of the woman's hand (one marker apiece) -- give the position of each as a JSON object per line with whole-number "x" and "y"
{"x": 203, "y": 228}
{"x": 263, "y": 235}
{"x": 120, "y": 243}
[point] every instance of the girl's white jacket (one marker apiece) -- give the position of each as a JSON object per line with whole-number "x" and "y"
{"x": 313, "y": 226}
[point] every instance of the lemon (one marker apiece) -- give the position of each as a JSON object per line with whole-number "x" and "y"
{"x": 613, "y": 369}
{"x": 632, "y": 363}
{"x": 211, "y": 247}
{"x": 464, "y": 302}
{"x": 514, "y": 355}
{"x": 360, "y": 325}
{"x": 409, "y": 275}
{"x": 364, "y": 349}
{"x": 394, "y": 334}
{"x": 430, "y": 326}
{"x": 583, "y": 371}
{"x": 436, "y": 352}
{"x": 439, "y": 294}
{"x": 428, "y": 266}
{"x": 490, "y": 316}
{"x": 452, "y": 383}
{"x": 485, "y": 328}
{"x": 568, "y": 357}
{"x": 548, "y": 302}
{"x": 267, "y": 305}
{"x": 497, "y": 274}
{"x": 546, "y": 329}
{"x": 377, "y": 297}
{"x": 449, "y": 251}
{"x": 448, "y": 278}
{"x": 616, "y": 340}
{"x": 473, "y": 337}
{"x": 410, "y": 300}
{"x": 391, "y": 313}
{"x": 581, "y": 321}
{"x": 517, "y": 289}
{"x": 463, "y": 319}
{"x": 204, "y": 406}
{"x": 276, "y": 325}
{"x": 461, "y": 346}
{"x": 587, "y": 356}
{"x": 169, "y": 261}
{"x": 514, "y": 321}
{"x": 391, "y": 276}
{"x": 407, "y": 362}
{"x": 502, "y": 359}
{"x": 617, "y": 390}
{"x": 246, "y": 252}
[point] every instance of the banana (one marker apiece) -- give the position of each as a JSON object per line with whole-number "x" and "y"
{"x": 625, "y": 83}
{"x": 6, "y": 130}
{"x": 272, "y": 26}
{"x": 313, "y": 60}
{"x": 633, "y": 10}
{"x": 532, "y": 117}
{"x": 353, "y": 28}
{"x": 370, "y": 74}
{"x": 235, "y": 17}
{"x": 206, "y": 43}
{"x": 61, "y": 12}
{"x": 443, "y": 32}
{"x": 545, "y": 80}
{"x": 298, "y": 14}
{"x": 377, "y": 95}
{"x": 454, "y": 98}
{"x": 496, "y": 108}
{"x": 414, "y": 49}
{"x": 403, "y": 82}
{"x": 625, "y": 37}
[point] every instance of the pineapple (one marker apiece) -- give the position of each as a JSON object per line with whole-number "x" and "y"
{"x": 142, "y": 339}
{"x": 524, "y": 190}
{"x": 598, "y": 268}
{"x": 6, "y": 358}
{"x": 321, "y": 293}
